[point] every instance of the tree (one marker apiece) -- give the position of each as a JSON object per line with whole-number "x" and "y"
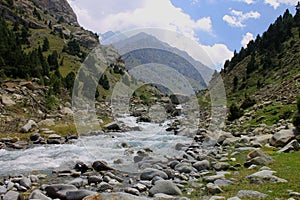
{"x": 46, "y": 44}
{"x": 251, "y": 66}
{"x": 104, "y": 82}
{"x": 235, "y": 83}
{"x": 52, "y": 60}
{"x": 69, "y": 80}
{"x": 73, "y": 48}
{"x": 296, "y": 118}
{"x": 234, "y": 112}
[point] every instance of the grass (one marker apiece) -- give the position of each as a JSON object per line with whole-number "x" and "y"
{"x": 287, "y": 167}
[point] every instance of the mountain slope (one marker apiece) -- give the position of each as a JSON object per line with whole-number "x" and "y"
{"x": 265, "y": 76}
{"x": 143, "y": 48}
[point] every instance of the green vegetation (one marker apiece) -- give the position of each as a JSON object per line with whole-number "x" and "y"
{"x": 286, "y": 164}
{"x": 234, "y": 112}
{"x": 296, "y": 118}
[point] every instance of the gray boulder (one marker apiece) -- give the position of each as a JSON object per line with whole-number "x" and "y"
{"x": 282, "y": 137}
{"x": 37, "y": 194}
{"x": 213, "y": 189}
{"x": 11, "y": 195}
{"x": 202, "y": 165}
{"x": 221, "y": 166}
{"x": 103, "y": 186}
{"x": 292, "y": 146}
{"x": 184, "y": 168}
{"x": 113, "y": 126}
{"x": 7, "y": 101}
{"x": 258, "y": 157}
{"x": 150, "y": 173}
{"x": 101, "y": 166}
{"x": 165, "y": 187}
{"x": 26, "y": 182}
{"x": 250, "y": 194}
{"x": 3, "y": 190}
{"x": 30, "y": 125}
{"x": 59, "y": 190}
{"x": 78, "y": 194}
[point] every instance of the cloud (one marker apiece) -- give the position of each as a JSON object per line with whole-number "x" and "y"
{"x": 237, "y": 18}
{"x": 276, "y": 3}
{"x": 246, "y": 39}
{"x": 247, "y": 1}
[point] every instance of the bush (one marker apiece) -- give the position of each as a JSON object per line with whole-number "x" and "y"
{"x": 234, "y": 112}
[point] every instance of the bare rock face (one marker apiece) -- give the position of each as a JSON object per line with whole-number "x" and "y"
{"x": 60, "y": 9}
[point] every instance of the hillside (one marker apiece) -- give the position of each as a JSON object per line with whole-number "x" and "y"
{"x": 264, "y": 77}
{"x": 143, "y": 48}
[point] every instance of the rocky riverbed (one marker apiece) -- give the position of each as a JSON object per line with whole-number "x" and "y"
{"x": 201, "y": 166}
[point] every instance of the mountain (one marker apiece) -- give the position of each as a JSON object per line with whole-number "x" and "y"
{"x": 143, "y": 48}
{"x": 264, "y": 77}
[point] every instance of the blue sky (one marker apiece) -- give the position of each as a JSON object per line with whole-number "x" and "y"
{"x": 218, "y": 26}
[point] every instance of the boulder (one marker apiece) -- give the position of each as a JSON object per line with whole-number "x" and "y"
{"x": 94, "y": 179}
{"x": 115, "y": 196}
{"x": 78, "y": 194}
{"x": 59, "y": 190}
{"x": 11, "y": 195}
{"x": 29, "y": 126}
{"x": 150, "y": 173}
{"x": 78, "y": 182}
{"x": 258, "y": 157}
{"x": 7, "y": 101}
{"x": 213, "y": 189}
{"x": 26, "y": 182}
{"x": 103, "y": 186}
{"x": 282, "y": 138}
{"x": 165, "y": 187}
{"x": 3, "y": 190}
{"x": 47, "y": 122}
{"x": 101, "y": 166}
{"x": 113, "y": 126}
{"x": 133, "y": 191}
{"x": 292, "y": 146}
{"x": 221, "y": 166}
{"x": 250, "y": 194}
{"x": 184, "y": 168}
{"x": 267, "y": 175}
{"x": 37, "y": 194}
{"x": 66, "y": 111}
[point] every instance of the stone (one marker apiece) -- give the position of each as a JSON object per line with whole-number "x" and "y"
{"x": 292, "y": 146}
{"x": 150, "y": 173}
{"x": 26, "y": 182}
{"x": 59, "y": 190}
{"x": 54, "y": 139}
{"x": 47, "y": 122}
{"x": 213, "y": 189}
{"x": 78, "y": 194}
{"x": 213, "y": 178}
{"x": 94, "y": 179}
{"x": 282, "y": 138}
{"x": 184, "y": 168}
{"x": 165, "y": 187}
{"x": 29, "y": 126}
{"x": 3, "y": 190}
{"x": 132, "y": 191}
{"x": 66, "y": 111}
{"x": 101, "y": 166}
{"x": 247, "y": 194}
{"x": 78, "y": 182}
{"x": 267, "y": 175}
{"x": 223, "y": 182}
{"x": 141, "y": 187}
{"x": 113, "y": 126}
{"x": 7, "y": 101}
{"x": 262, "y": 139}
{"x": 234, "y": 198}
{"x": 202, "y": 165}
{"x": 219, "y": 166}
{"x": 217, "y": 198}
{"x": 114, "y": 196}
{"x": 258, "y": 157}
{"x": 103, "y": 186}
{"x": 34, "y": 178}
{"x": 35, "y": 136}
{"x": 37, "y": 194}
{"x": 173, "y": 164}
{"x": 11, "y": 195}
{"x": 81, "y": 166}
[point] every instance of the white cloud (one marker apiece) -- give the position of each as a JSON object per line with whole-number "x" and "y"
{"x": 246, "y": 39}
{"x": 247, "y": 1}
{"x": 237, "y": 18}
{"x": 276, "y": 3}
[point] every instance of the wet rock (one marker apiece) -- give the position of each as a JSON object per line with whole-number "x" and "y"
{"x": 114, "y": 196}
{"x": 140, "y": 187}
{"x": 34, "y": 136}
{"x": 29, "y": 126}
{"x": 101, "y": 166}
{"x": 113, "y": 126}
{"x": 173, "y": 164}
{"x": 247, "y": 194}
{"x": 282, "y": 138}
{"x": 292, "y": 146}
{"x": 26, "y": 182}
{"x": 144, "y": 118}
{"x": 94, "y": 180}
{"x": 82, "y": 167}
{"x": 165, "y": 187}
{"x": 11, "y": 195}
{"x": 79, "y": 194}
{"x": 103, "y": 187}
{"x": 37, "y": 194}
{"x": 132, "y": 191}
{"x": 54, "y": 139}
{"x": 78, "y": 182}
{"x": 202, "y": 165}
{"x": 59, "y": 190}
{"x": 150, "y": 173}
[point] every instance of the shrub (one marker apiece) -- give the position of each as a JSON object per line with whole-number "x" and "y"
{"x": 296, "y": 118}
{"x": 234, "y": 112}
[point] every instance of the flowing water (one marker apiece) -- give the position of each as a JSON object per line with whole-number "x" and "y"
{"x": 106, "y": 147}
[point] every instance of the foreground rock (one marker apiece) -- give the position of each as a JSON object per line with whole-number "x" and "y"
{"x": 250, "y": 194}
{"x": 114, "y": 196}
{"x": 165, "y": 187}
{"x": 282, "y": 137}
